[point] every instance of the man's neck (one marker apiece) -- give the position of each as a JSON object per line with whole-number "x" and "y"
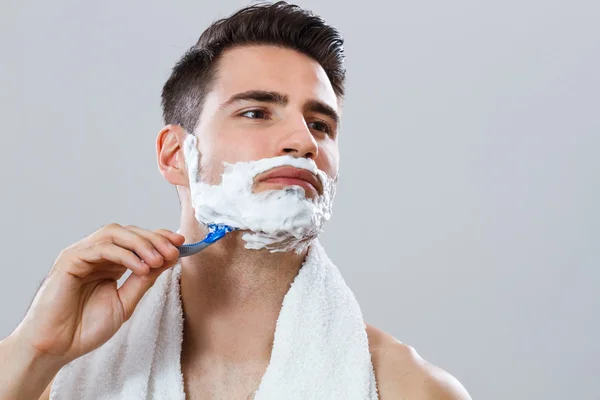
{"x": 231, "y": 299}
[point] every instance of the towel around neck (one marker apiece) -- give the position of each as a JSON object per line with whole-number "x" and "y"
{"x": 320, "y": 348}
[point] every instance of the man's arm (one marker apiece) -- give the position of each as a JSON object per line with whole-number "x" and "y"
{"x": 24, "y": 374}
{"x": 46, "y": 394}
{"x": 29, "y": 366}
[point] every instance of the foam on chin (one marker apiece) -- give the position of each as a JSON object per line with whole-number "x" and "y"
{"x": 278, "y": 220}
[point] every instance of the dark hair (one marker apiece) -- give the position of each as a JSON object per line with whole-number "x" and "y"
{"x": 280, "y": 24}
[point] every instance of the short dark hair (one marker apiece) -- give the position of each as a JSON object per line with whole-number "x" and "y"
{"x": 279, "y": 24}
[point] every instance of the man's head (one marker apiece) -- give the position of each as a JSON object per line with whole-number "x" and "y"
{"x": 268, "y": 81}
{"x": 278, "y": 24}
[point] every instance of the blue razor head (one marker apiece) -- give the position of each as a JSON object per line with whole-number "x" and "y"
{"x": 215, "y": 232}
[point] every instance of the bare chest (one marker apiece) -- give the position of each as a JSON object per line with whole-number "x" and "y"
{"x": 218, "y": 381}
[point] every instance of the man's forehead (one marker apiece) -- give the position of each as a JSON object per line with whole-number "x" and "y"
{"x": 272, "y": 69}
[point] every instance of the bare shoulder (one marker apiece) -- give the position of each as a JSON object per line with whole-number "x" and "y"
{"x": 402, "y": 374}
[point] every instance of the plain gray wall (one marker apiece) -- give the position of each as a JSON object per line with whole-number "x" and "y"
{"x": 466, "y": 220}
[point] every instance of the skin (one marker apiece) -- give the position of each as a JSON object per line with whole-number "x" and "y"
{"x": 232, "y": 296}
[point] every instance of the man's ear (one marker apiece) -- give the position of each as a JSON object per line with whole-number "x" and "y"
{"x": 169, "y": 153}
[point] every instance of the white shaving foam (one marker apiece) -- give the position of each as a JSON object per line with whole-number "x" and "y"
{"x": 278, "y": 220}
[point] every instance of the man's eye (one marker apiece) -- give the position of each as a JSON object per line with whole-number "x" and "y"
{"x": 320, "y": 126}
{"x": 254, "y": 114}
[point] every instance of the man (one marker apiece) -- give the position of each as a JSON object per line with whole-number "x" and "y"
{"x": 266, "y": 82}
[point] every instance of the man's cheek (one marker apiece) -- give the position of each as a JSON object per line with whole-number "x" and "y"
{"x": 329, "y": 163}
{"x": 244, "y": 151}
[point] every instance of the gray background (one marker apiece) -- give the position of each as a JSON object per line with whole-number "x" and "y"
{"x": 466, "y": 220}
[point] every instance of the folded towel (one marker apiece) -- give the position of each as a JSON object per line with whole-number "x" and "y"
{"x": 320, "y": 348}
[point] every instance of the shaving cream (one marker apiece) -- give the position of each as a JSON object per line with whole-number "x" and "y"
{"x": 278, "y": 220}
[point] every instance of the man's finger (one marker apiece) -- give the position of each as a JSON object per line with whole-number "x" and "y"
{"x": 161, "y": 241}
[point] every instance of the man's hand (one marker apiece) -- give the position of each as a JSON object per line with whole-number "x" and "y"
{"x": 78, "y": 307}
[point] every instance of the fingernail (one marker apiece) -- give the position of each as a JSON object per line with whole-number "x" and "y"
{"x": 157, "y": 254}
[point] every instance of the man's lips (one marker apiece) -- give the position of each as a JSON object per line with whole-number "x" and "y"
{"x": 289, "y": 176}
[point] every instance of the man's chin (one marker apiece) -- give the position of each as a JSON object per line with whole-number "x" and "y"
{"x": 286, "y": 244}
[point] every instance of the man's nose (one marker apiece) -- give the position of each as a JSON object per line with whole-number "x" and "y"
{"x": 299, "y": 142}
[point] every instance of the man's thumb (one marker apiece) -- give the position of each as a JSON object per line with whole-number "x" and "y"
{"x": 134, "y": 288}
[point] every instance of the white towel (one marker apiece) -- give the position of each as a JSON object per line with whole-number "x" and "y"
{"x": 320, "y": 348}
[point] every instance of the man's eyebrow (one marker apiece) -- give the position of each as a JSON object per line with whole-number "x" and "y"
{"x": 321, "y": 108}
{"x": 265, "y": 96}
{"x": 262, "y": 96}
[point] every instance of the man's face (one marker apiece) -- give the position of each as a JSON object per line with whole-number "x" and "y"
{"x": 267, "y": 102}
